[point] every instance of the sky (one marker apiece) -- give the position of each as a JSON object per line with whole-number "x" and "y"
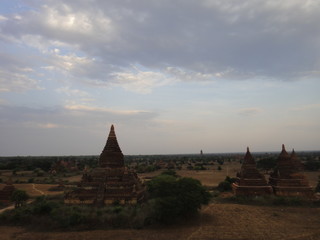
{"x": 173, "y": 76}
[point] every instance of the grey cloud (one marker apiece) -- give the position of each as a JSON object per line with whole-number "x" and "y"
{"x": 68, "y": 116}
{"x": 249, "y": 111}
{"x": 252, "y": 38}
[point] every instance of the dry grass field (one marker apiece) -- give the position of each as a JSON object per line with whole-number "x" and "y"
{"x": 212, "y": 177}
{"x": 35, "y": 190}
{"x": 216, "y": 222}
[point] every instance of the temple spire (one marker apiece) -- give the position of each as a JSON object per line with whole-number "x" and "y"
{"x": 248, "y": 159}
{"x": 112, "y": 142}
{"x": 111, "y": 155}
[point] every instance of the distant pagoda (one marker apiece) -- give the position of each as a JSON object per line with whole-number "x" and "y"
{"x": 288, "y": 179}
{"x": 7, "y": 191}
{"x": 109, "y": 183}
{"x": 250, "y": 182}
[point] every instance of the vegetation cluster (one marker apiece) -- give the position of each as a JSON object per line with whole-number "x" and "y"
{"x": 170, "y": 199}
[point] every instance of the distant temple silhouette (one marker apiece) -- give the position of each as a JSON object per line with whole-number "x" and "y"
{"x": 7, "y": 191}
{"x": 109, "y": 183}
{"x": 287, "y": 178}
{"x": 249, "y": 180}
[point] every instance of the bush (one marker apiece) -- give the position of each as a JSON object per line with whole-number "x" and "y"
{"x": 19, "y": 197}
{"x": 170, "y": 172}
{"x": 230, "y": 180}
{"x": 224, "y": 186}
{"x": 176, "y": 197}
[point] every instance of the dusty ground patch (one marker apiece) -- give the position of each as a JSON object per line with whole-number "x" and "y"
{"x": 217, "y": 222}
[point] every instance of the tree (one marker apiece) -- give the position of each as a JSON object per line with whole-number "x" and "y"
{"x": 170, "y": 172}
{"x": 224, "y": 186}
{"x": 176, "y": 197}
{"x": 19, "y": 197}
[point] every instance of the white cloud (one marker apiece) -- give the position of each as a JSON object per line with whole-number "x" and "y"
{"x": 17, "y": 81}
{"x": 47, "y": 125}
{"x": 192, "y": 40}
{"x": 141, "y": 81}
{"x": 306, "y": 107}
{"x": 3, "y": 18}
{"x": 87, "y": 108}
{"x": 249, "y": 111}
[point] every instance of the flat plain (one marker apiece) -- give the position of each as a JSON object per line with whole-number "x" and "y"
{"x": 217, "y": 221}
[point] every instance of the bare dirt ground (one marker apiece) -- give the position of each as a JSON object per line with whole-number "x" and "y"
{"x": 212, "y": 177}
{"x": 35, "y": 190}
{"x": 217, "y": 222}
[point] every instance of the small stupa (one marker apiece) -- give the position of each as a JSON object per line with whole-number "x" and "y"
{"x": 111, "y": 182}
{"x": 250, "y": 182}
{"x": 7, "y": 191}
{"x": 288, "y": 178}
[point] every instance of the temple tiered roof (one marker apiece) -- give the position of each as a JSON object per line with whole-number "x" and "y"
{"x": 111, "y": 155}
{"x": 249, "y": 180}
{"x": 6, "y": 191}
{"x": 110, "y": 182}
{"x": 288, "y": 178}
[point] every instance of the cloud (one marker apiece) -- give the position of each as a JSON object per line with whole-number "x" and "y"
{"x": 249, "y": 111}
{"x": 69, "y": 116}
{"x": 48, "y": 125}
{"x": 306, "y": 107}
{"x": 72, "y": 92}
{"x": 96, "y": 42}
{"x": 103, "y": 109}
{"x": 17, "y": 81}
{"x": 17, "y": 75}
{"x": 140, "y": 81}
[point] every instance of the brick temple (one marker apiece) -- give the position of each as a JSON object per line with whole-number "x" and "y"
{"x": 250, "y": 182}
{"x": 7, "y": 191}
{"x": 111, "y": 182}
{"x": 288, "y": 178}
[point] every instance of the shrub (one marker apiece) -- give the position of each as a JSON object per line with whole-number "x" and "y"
{"x": 176, "y": 197}
{"x": 224, "y": 186}
{"x": 19, "y": 197}
{"x": 170, "y": 172}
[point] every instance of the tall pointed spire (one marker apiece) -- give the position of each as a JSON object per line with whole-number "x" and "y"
{"x": 248, "y": 159}
{"x": 112, "y": 142}
{"x": 249, "y": 180}
{"x": 283, "y": 152}
{"x": 111, "y": 155}
{"x": 288, "y": 178}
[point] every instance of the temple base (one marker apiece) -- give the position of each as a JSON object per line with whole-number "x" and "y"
{"x": 251, "y": 190}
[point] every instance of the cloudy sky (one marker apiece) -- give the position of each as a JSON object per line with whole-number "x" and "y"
{"x": 173, "y": 76}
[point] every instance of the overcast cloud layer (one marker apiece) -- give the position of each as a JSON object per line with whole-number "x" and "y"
{"x": 207, "y": 70}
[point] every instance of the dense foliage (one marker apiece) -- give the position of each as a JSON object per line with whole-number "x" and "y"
{"x": 176, "y": 197}
{"x": 226, "y": 185}
{"x": 45, "y": 214}
{"x": 19, "y": 197}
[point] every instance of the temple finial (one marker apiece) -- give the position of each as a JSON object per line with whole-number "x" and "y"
{"x": 248, "y": 149}
{"x": 283, "y": 147}
{"x": 112, "y": 132}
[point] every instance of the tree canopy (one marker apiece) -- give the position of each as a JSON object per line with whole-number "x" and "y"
{"x": 19, "y": 197}
{"x": 176, "y": 197}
